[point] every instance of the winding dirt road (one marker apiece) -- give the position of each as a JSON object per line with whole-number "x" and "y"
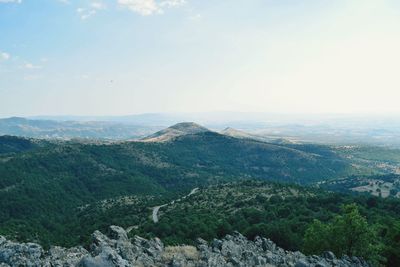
{"x": 157, "y": 208}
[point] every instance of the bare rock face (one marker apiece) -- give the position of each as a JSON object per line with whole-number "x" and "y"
{"x": 117, "y": 250}
{"x": 32, "y": 255}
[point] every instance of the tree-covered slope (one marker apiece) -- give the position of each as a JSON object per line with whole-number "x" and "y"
{"x": 353, "y": 225}
{"x": 249, "y": 158}
{"x": 42, "y": 189}
{"x": 13, "y": 144}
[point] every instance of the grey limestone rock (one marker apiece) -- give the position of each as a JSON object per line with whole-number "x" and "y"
{"x": 117, "y": 250}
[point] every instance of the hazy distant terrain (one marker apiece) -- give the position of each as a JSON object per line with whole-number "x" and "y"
{"x": 382, "y": 131}
{"x": 52, "y": 129}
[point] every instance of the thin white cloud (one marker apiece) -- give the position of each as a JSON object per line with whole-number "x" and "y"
{"x": 98, "y": 5}
{"x": 172, "y": 3}
{"x": 150, "y": 7}
{"x": 86, "y": 13}
{"x": 143, "y": 7}
{"x": 196, "y": 17}
{"x": 11, "y": 1}
{"x": 31, "y": 66}
{"x": 4, "y": 56}
{"x": 31, "y": 77}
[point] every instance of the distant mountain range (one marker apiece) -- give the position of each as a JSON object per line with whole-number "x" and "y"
{"x": 229, "y": 131}
{"x": 338, "y": 130}
{"x": 109, "y": 130}
{"x": 51, "y": 129}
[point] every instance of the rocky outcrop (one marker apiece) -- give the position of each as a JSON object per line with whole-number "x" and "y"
{"x": 116, "y": 249}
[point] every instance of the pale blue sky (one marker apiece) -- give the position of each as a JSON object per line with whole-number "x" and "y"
{"x": 115, "y": 57}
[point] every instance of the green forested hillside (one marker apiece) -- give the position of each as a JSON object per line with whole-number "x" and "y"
{"x": 58, "y": 193}
{"x": 43, "y": 184}
{"x": 13, "y": 144}
{"x": 283, "y": 213}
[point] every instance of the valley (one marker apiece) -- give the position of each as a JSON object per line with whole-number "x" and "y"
{"x": 185, "y": 182}
{"x": 377, "y": 185}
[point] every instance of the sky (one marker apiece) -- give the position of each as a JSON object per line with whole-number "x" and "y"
{"x": 117, "y": 57}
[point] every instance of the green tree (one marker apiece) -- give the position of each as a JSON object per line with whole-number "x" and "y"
{"x": 348, "y": 234}
{"x": 392, "y": 250}
{"x": 316, "y": 238}
{"x": 351, "y": 234}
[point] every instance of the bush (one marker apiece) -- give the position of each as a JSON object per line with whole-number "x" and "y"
{"x": 348, "y": 234}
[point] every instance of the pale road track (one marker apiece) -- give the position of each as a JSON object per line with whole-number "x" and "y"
{"x": 155, "y": 212}
{"x": 157, "y": 208}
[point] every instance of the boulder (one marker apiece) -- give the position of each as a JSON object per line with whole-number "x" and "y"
{"x": 116, "y": 249}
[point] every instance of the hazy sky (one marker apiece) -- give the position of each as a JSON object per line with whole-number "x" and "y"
{"x": 134, "y": 56}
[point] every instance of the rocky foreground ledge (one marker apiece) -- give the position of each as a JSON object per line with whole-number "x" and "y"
{"x": 116, "y": 249}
